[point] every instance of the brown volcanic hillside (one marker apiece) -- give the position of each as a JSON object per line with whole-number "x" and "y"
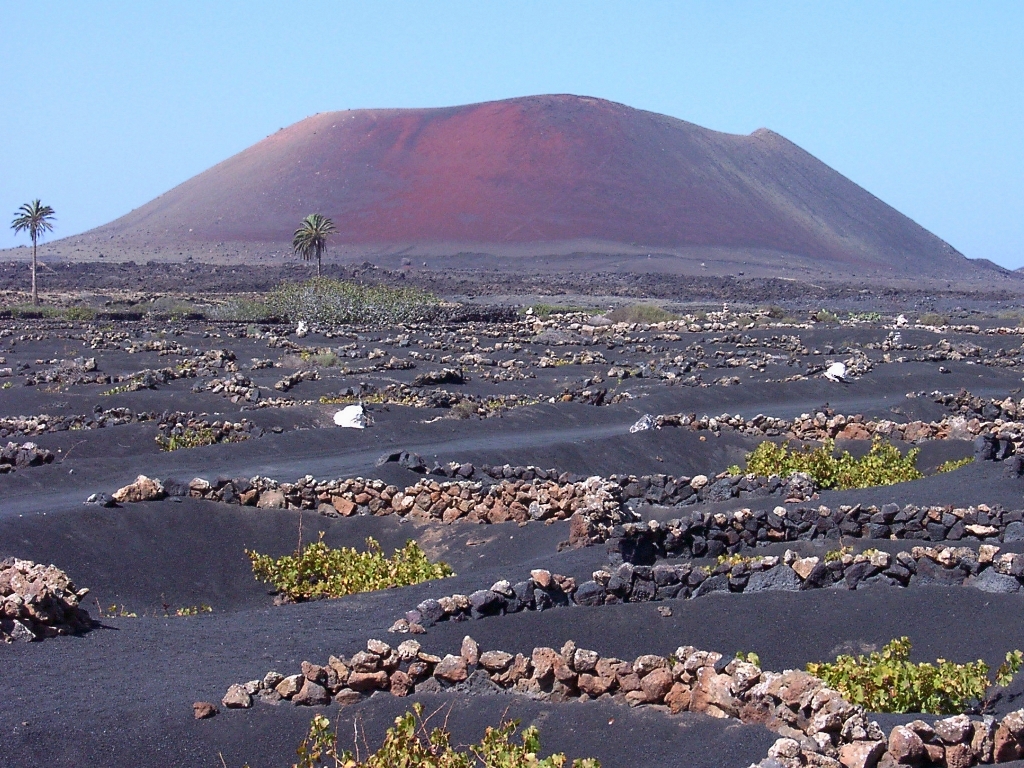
{"x": 534, "y": 176}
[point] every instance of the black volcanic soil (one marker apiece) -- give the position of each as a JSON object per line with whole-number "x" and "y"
{"x": 121, "y": 694}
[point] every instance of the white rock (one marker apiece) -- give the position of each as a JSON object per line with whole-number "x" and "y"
{"x": 351, "y": 417}
{"x": 644, "y": 423}
{"x": 836, "y": 372}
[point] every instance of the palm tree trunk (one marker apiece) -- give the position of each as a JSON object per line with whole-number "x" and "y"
{"x": 35, "y": 293}
{"x": 318, "y": 265}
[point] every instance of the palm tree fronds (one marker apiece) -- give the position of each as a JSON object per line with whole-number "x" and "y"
{"x": 33, "y": 218}
{"x": 310, "y": 239}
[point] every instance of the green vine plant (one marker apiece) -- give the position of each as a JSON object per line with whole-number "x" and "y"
{"x": 193, "y": 610}
{"x": 887, "y": 681}
{"x": 409, "y": 744}
{"x": 316, "y": 571}
{"x": 114, "y": 611}
{"x": 838, "y": 554}
{"x": 189, "y": 438}
{"x": 881, "y": 465}
{"x": 953, "y": 464}
{"x": 750, "y": 657}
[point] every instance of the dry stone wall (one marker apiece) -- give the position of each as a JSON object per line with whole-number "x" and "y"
{"x": 816, "y": 724}
{"x": 712, "y": 534}
{"x": 20, "y": 455}
{"x": 14, "y": 426}
{"x": 974, "y": 417}
{"x": 38, "y": 601}
{"x": 986, "y": 569}
{"x": 592, "y": 503}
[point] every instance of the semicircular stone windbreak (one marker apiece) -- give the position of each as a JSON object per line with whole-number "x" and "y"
{"x": 817, "y": 726}
{"x": 997, "y": 423}
{"x": 525, "y": 492}
{"x": 596, "y": 512}
{"x": 38, "y": 601}
{"x": 15, "y": 456}
{"x": 31, "y": 426}
{"x": 600, "y": 508}
{"x": 986, "y": 569}
{"x": 593, "y": 504}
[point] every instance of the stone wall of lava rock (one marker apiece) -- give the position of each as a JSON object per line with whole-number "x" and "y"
{"x": 816, "y": 724}
{"x": 38, "y": 601}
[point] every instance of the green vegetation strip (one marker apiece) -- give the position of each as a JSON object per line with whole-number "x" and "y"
{"x": 887, "y": 681}
{"x": 317, "y": 571}
{"x": 882, "y": 465}
{"x": 409, "y": 744}
{"x": 325, "y": 302}
{"x": 189, "y": 438}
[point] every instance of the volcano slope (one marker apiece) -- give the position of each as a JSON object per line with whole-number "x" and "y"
{"x": 561, "y": 393}
{"x": 581, "y": 182}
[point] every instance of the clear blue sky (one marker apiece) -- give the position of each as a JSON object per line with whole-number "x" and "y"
{"x": 106, "y": 105}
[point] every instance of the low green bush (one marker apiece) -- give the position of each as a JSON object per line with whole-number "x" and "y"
{"x": 547, "y": 310}
{"x": 1014, "y": 316}
{"x": 80, "y": 314}
{"x": 408, "y": 744}
{"x": 954, "y": 464}
{"x": 882, "y": 465}
{"x": 824, "y": 316}
{"x": 317, "y": 571}
{"x": 834, "y": 555}
{"x": 191, "y": 437}
{"x": 887, "y": 681}
{"x": 75, "y": 314}
{"x": 932, "y": 318}
{"x": 640, "y": 313}
{"x": 326, "y": 302}
{"x": 243, "y": 309}
{"x": 321, "y": 359}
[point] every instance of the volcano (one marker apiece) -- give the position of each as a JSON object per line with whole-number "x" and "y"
{"x": 534, "y": 176}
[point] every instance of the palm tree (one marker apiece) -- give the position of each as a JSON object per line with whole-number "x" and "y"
{"x": 310, "y": 238}
{"x": 35, "y": 218}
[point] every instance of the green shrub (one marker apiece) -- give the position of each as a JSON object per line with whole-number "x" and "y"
{"x": 867, "y": 317}
{"x": 322, "y": 301}
{"x": 932, "y": 318}
{"x": 954, "y": 464}
{"x": 834, "y": 555}
{"x": 193, "y": 610}
{"x": 241, "y": 309}
{"x": 317, "y": 571}
{"x": 191, "y": 437}
{"x": 80, "y": 314}
{"x": 76, "y": 314}
{"x": 882, "y": 465}
{"x": 547, "y": 310}
{"x": 887, "y": 681}
{"x": 749, "y": 657}
{"x": 824, "y": 316}
{"x": 640, "y": 313}
{"x": 321, "y": 359}
{"x": 408, "y": 744}
{"x": 1014, "y": 316}
{"x": 326, "y": 302}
